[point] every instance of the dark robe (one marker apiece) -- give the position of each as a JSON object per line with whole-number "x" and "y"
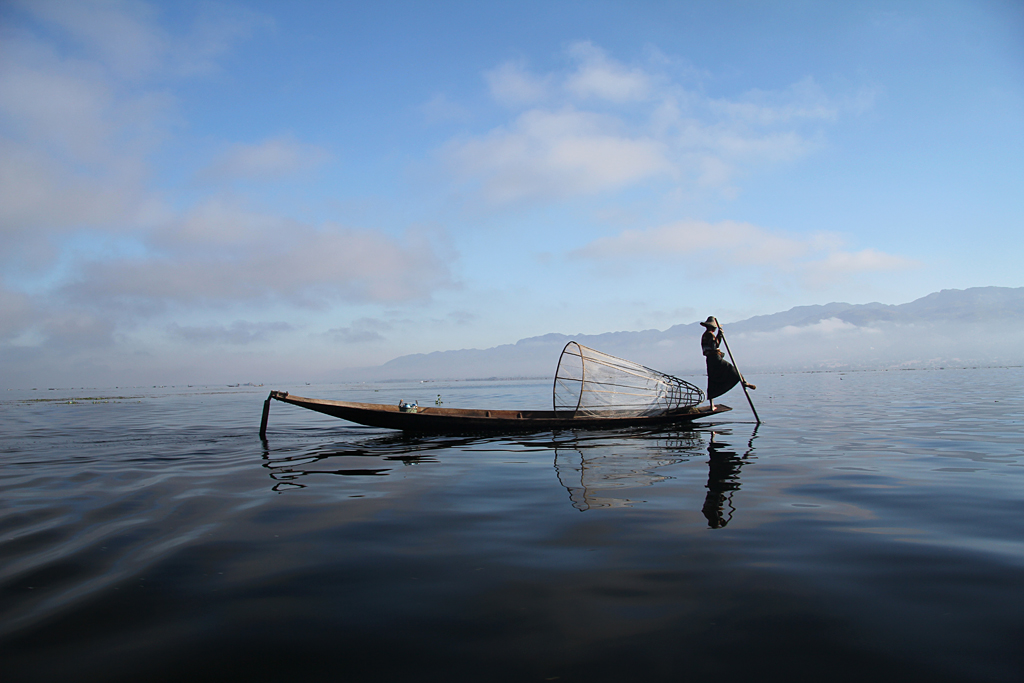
{"x": 722, "y": 376}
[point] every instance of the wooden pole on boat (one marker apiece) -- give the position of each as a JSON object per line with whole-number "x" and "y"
{"x": 266, "y": 416}
{"x": 743, "y": 382}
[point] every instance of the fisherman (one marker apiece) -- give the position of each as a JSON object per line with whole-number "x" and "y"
{"x": 722, "y": 376}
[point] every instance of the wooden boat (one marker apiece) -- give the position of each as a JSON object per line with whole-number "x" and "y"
{"x": 437, "y": 420}
{"x": 592, "y": 390}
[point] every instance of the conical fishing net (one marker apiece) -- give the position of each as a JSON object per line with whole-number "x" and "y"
{"x": 590, "y": 383}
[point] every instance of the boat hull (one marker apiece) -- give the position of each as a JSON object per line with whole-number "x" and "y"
{"x": 457, "y": 420}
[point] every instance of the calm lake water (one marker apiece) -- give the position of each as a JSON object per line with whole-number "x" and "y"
{"x": 872, "y": 528}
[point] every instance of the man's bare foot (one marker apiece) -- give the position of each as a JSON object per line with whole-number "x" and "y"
{"x": 748, "y": 385}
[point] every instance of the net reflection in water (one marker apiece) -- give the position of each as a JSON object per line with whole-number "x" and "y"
{"x": 592, "y": 473}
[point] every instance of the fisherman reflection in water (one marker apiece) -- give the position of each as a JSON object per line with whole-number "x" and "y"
{"x": 723, "y": 479}
{"x": 722, "y": 376}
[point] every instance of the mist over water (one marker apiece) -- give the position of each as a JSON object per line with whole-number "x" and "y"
{"x": 871, "y": 526}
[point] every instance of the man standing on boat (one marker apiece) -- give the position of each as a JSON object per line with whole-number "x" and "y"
{"x": 722, "y": 376}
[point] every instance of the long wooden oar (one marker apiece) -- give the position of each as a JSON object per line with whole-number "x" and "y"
{"x": 743, "y": 382}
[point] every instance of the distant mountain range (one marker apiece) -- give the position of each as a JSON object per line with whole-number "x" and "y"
{"x": 977, "y": 326}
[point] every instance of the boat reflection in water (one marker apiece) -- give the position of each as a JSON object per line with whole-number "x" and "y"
{"x": 598, "y": 471}
{"x": 594, "y": 475}
{"x": 594, "y": 471}
{"x": 373, "y": 458}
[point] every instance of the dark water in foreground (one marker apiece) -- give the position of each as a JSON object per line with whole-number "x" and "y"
{"x": 872, "y": 527}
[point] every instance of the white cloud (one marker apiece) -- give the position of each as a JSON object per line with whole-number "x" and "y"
{"x": 71, "y": 329}
{"x": 462, "y": 317}
{"x": 15, "y": 313}
{"x": 817, "y": 258}
{"x": 440, "y": 109}
{"x": 827, "y": 327}
{"x": 837, "y": 265}
{"x": 741, "y": 242}
{"x": 864, "y": 260}
{"x": 65, "y": 106}
{"x": 238, "y": 333}
{"x": 73, "y": 147}
{"x": 37, "y": 192}
{"x": 217, "y": 260}
{"x": 361, "y": 331}
{"x": 79, "y": 118}
{"x": 600, "y": 126}
{"x": 126, "y": 37}
{"x": 121, "y": 35}
{"x": 214, "y": 33}
{"x": 92, "y": 253}
{"x": 739, "y": 148}
{"x": 555, "y": 155}
{"x": 220, "y": 255}
{"x": 511, "y": 84}
{"x": 74, "y": 110}
{"x": 267, "y": 160}
{"x": 598, "y": 76}
{"x": 803, "y": 100}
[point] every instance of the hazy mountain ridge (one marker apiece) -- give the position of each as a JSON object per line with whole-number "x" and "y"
{"x": 976, "y": 305}
{"x": 982, "y": 325}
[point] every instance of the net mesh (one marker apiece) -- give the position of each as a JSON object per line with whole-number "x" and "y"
{"x": 591, "y": 383}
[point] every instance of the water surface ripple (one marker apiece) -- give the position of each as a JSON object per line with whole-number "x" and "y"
{"x": 871, "y": 527}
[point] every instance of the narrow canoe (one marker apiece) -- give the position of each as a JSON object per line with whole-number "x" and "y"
{"x": 457, "y": 420}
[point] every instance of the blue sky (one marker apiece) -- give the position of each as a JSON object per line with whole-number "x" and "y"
{"x": 268, "y": 191}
